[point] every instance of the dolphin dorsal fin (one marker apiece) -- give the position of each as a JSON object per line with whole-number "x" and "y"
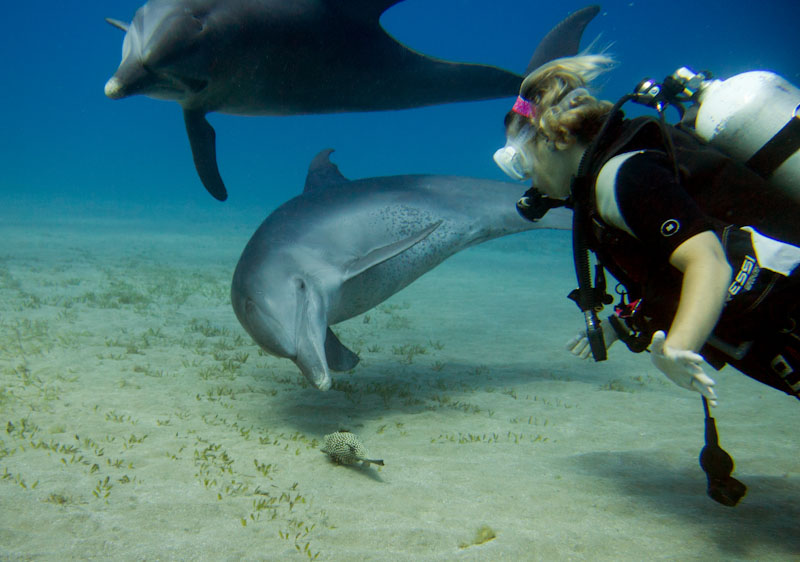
{"x": 323, "y": 173}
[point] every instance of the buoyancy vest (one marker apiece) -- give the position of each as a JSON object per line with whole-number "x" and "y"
{"x": 732, "y": 196}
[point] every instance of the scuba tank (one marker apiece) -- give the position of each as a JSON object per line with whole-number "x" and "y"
{"x": 753, "y": 117}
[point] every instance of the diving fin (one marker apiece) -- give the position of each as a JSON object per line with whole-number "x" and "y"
{"x": 718, "y": 466}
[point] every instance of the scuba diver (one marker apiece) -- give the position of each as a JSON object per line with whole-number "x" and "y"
{"x": 699, "y": 277}
{"x": 704, "y": 247}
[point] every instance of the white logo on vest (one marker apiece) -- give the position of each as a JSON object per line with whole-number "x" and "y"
{"x": 670, "y": 227}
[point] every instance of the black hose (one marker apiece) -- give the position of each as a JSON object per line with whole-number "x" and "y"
{"x": 580, "y": 246}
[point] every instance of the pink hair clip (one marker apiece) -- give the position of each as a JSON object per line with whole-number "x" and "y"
{"x": 524, "y": 107}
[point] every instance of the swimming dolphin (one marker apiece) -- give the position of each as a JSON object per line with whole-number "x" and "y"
{"x": 287, "y": 57}
{"x": 342, "y": 247}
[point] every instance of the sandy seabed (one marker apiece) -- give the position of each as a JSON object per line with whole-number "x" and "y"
{"x": 141, "y": 422}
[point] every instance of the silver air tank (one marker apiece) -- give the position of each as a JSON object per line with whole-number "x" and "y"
{"x": 753, "y": 117}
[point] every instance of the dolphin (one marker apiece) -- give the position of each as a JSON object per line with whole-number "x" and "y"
{"x": 288, "y": 57}
{"x": 342, "y": 247}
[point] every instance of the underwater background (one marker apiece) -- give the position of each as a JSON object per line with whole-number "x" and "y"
{"x": 64, "y": 139}
{"x": 139, "y": 421}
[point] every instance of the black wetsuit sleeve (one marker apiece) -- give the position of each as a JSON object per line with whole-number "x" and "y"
{"x": 659, "y": 212}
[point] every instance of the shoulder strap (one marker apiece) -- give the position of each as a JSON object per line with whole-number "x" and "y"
{"x": 641, "y": 133}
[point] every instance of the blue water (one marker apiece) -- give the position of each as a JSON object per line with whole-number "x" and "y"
{"x": 615, "y": 477}
{"x": 64, "y": 139}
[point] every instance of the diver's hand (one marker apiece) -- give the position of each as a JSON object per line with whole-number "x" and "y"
{"x": 579, "y": 345}
{"x": 683, "y": 367}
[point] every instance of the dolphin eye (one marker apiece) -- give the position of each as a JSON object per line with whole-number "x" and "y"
{"x": 301, "y": 285}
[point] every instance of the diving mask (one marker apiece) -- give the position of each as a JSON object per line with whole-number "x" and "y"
{"x": 514, "y": 158}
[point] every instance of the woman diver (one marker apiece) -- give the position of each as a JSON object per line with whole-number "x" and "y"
{"x": 685, "y": 230}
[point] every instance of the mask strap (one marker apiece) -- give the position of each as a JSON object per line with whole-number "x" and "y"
{"x": 524, "y": 107}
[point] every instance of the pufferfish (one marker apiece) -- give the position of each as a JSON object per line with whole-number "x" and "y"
{"x": 344, "y": 447}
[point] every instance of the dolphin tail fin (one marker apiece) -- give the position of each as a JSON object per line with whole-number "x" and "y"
{"x": 339, "y": 357}
{"x": 118, "y": 24}
{"x": 564, "y": 39}
{"x": 380, "y": 255}
{"x": 202, "y": 139}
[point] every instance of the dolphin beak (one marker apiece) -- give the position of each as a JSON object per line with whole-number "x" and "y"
{"x": 322, "y": 381}
{"x": 114, "y": 88}
{"x": 315, "y": 372}
{"x": 132, "y": 77}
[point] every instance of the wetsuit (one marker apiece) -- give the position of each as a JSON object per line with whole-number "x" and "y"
{"x": 641, "y": 212}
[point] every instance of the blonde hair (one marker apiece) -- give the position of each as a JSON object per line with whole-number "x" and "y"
{"x": 564, "y": 115}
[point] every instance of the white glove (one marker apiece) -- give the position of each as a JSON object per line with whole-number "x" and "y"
{"x": 579, "y": 345}
{"x": 683, "y": 367}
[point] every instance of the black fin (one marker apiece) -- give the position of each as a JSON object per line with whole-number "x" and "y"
{"x": 338, "y": 356}
{"x": 367, "y": 10}
{"x": 202, "y": 139}
{"x": 564, "y": 39}
{"x": 322, "y": 172}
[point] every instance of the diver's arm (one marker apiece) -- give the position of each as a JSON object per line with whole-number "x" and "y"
{"x": 706, "y": 277}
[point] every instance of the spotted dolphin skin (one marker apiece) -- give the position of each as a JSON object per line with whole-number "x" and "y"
{"x": 343, "y": 247}
{"x": 286, "y": 57}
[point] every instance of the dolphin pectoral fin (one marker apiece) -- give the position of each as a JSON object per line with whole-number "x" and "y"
{"x": 564, "y": 39}
{"x": 339, "y": 357}
{"x": 311, "y": 336}
{"x": 202, "y": 139}
{"x": 380, "y": 255}
{"x": 118, "y": 24}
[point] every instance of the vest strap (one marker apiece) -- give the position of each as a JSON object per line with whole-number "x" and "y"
{"x": 777, "y": 150}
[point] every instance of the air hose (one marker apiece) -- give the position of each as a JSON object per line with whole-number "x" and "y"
{"x": 587, "y": 295}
